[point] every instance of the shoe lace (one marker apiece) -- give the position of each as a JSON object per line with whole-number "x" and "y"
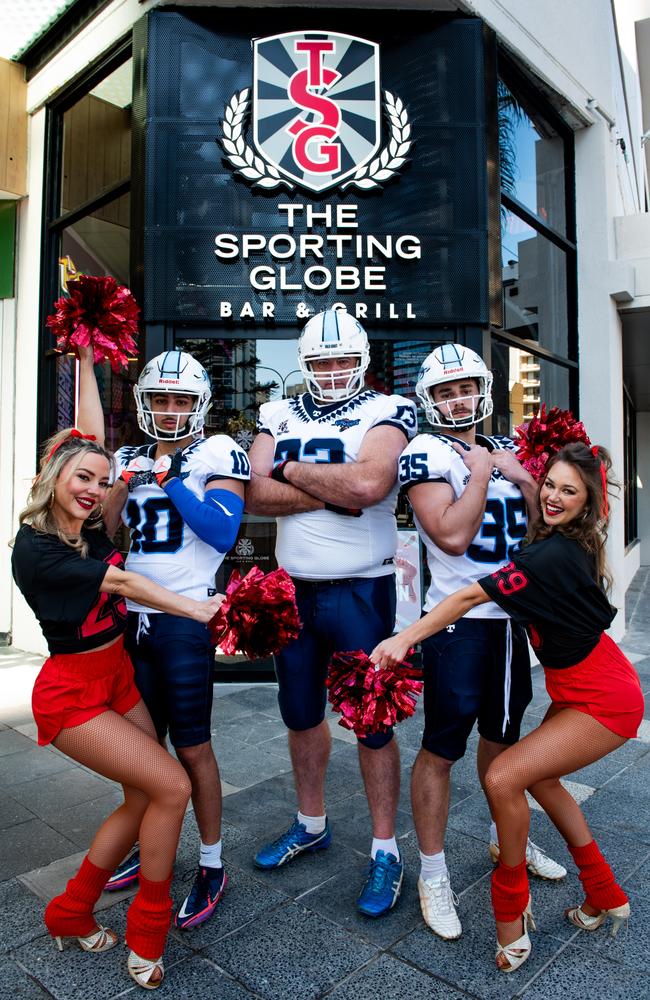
{"x": 378, "y": 872}
{"x": 535, "y": 854}
{"x": 288, "y": 837}
{"x": 445, "y": 897}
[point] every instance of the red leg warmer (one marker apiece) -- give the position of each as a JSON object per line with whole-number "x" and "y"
{"x": 509, "y": 891}
{"x": 148, "y": 919}
{"x": 601, "y": 889}
{"x": 71, "y": 913}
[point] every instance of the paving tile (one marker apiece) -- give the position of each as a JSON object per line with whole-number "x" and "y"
{"x": 639, "y": 881}
{"x": 12, "y": 812}
{"x": 351, "y": 824}
{"x": 336, "y": 899}
{"x": 15, "y": 983}
{"x": 73, "y": 975}
{"x": 80, "y": 823}
{"x": 13, "y": 742}
{"x": 32, "y": 763}
{"x": 390, "y": 979}
{"x": 611, "y": 809}
{"x": 309, "y": 955}
{"x": 305, "y": 872}
{"x": 50, "y": 880}
{"x": 29, "y": 845}
{"x": 631, "y": 946}
{"x": 249, "y": 765}
{"x": 468, "y": 964}
{"x": 603, "y": 770}
{"x": 253, "y": 728}
{"x": 569, "y": 975}
{"x": 194, "y": 978}
{"x": 245, "y": 899}
{"x": 70, "y": 788}
{"x": 23, "y": 915}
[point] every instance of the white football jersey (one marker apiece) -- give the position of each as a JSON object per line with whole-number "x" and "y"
{"x": 319, "y": 544}
{"x": 431, "y": 458}
{"x": 163, "y": 547}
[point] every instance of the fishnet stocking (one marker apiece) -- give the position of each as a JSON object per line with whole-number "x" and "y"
{"x": 565, "y": 741}
{"x": 156, "y": 788}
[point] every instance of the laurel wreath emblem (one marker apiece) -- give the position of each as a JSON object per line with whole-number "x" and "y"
{"x": 263, "y": 174}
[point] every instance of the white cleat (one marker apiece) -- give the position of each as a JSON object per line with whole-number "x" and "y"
{"x": 537, "y": 862}
{"x": 438, "y": 903}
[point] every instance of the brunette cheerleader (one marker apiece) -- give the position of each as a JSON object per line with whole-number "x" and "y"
{"x": 555, "y": 587}
{"x": 85, "y": 701}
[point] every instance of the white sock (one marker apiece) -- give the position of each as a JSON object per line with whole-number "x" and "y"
{"x": 210, "y": 856}
{"x": 387, "y": 846}
{"x": 494, "y": 836}
{"x": 312, "y": 824}
{"x": 432, "y": 865}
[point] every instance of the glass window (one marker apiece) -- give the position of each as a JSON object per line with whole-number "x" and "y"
{"x": 534, "y": 273}
{"x": 97, "y": 140}
{"x": 522, "y": 382}
{"x": 532, "y": 160}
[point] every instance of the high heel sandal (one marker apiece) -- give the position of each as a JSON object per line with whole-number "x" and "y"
{"x": 142, "y": 969}
{"x": 619, "y": 914}
{"x": 517, "y": 952}
{"x": 102, "y": 939}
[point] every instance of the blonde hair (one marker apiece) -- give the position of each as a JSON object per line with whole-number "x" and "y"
{"x": 57, "y": 452}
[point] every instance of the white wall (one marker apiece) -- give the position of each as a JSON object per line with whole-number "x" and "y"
{"x": 7, "y": 386}
{"x": 643, "y": 470}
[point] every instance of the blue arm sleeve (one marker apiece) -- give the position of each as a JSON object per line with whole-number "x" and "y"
{"x": 215, "y": 519}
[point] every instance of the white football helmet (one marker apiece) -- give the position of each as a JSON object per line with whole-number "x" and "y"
{"x": 173, "y": 371}
{"x": 449, "y": 363}
{"x": 333, "y": 334}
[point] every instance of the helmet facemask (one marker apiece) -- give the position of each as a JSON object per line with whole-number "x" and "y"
{"x": 455, "y": 363}
{"x": 187, "y": 423}
{"x": 334, "y": 386}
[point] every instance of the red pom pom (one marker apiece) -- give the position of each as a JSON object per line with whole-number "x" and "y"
{"x": 259, "y": 615}
{"x": 371, "y": 699}
{"x": 97, "y": 313}
{"x": 544, "y": 435}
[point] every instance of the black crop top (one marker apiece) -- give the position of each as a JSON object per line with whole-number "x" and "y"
{"x": 549, "y": 587}
{"x": 62, "y": 589}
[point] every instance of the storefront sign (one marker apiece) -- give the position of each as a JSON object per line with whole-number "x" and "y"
{"x": 312, "y": 167}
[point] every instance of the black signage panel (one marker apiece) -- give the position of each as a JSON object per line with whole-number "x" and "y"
{"x": 299, "y": 159}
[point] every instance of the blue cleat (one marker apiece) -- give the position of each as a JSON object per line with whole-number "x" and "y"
{"x": 204, "y": 895}
{"x": 125, "y": 874}
{"x": 289, "y": 844}
{"x": 382, "y": 886}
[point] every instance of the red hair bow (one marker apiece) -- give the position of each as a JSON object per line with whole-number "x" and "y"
{"x": 74, "y": 433}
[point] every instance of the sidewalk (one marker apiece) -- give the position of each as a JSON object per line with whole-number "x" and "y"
{"x": 294, "y": 934}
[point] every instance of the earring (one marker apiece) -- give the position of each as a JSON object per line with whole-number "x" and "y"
{"x": 51, "y": 502}
{"x": 97, "y": 514}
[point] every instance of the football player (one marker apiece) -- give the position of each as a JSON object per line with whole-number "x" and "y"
{"x": 182, "y": 498}
{"x": 325, "y": 463}
{"x": 470, "y": 497}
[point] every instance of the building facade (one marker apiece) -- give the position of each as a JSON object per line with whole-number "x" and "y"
{"x": 469, "y": 170}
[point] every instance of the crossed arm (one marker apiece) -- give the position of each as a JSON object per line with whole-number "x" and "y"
{"x": 310, "y": 485}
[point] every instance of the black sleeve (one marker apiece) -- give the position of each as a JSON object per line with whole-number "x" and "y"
{"x": 58, "y": 584}
{"x": 515, "y": 586}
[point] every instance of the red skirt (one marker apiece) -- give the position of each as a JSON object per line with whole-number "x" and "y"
{"x": 72, "y": 688}
{"x": 605, "y": 685}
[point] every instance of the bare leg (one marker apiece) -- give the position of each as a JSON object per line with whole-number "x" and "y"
{"x": 430, "y": 800}
{"x": 310, "y": 751}
{"x": 564, "y": 742}
{"x": 380, "y": 770}
{"x": 203, "y": 770}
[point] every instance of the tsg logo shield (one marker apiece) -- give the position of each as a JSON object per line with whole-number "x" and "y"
{"x": 316, "y": 105}
{"x": 316, "y": 115}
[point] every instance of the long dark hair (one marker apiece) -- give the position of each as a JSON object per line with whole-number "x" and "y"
{"x": 590, "y": 528}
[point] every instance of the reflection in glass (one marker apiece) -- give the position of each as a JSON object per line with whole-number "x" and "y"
{"x": 534, "y": 273}
{"x": 99, "y": 243}
{"x": 522, "y": 382}
{"x": 97, "y": 140}
{"x": 532, "y": 160}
